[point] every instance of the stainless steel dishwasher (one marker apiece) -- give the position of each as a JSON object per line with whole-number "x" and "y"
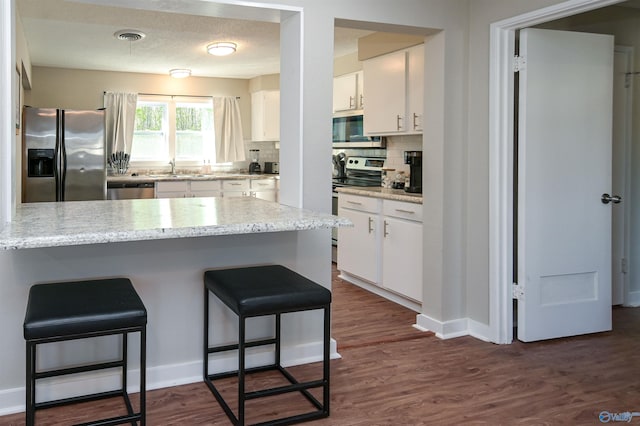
{"x": 130, "y": 190}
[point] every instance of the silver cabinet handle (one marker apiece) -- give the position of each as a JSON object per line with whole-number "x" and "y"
{"x": 352, "y": 102}
{"x": 354, "y": 203}
{"x": 361, "y": 101}
{"x": 398, "y": 120}
{"x": 370, "y": 224}
{"x": 405, "y": 211}
{"x": 415, "y": 118}
{"x": 386, "y": 225}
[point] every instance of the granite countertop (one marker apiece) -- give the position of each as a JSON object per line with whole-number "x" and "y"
{"x": 160, "y": 177}
{"x": 379, "y": 192}
{"x": 96, "y": 222}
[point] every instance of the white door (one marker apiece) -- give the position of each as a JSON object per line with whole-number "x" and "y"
{"x": 564, "y": 167}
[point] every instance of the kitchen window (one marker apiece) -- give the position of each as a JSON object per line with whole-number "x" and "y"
{"x": 179, "y": 128}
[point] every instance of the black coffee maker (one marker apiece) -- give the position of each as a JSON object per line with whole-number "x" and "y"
{"x": 414, "y": 160}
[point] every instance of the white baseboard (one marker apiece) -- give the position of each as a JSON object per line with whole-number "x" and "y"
{"x": 455, "y": 328}
{"x": 380, "y": 291}
{"x": 13, "y": 400}
{"x": 633, "y": 299}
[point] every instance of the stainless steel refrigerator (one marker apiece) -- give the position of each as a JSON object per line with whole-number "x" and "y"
{"x": 63, "y": 155}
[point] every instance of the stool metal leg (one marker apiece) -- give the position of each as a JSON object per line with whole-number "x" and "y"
{"x": 205, "y": 367}
{"x": 30, "y": 413}
{"x": 241, "y": 367}
{"x": 326, "y": 358}
{"x": 277, "y": 334}
{"x": 143, "y": 376}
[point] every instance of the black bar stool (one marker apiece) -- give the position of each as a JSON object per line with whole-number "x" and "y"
{"x": 77, "y": 310}
{"x": 258, "y": 291}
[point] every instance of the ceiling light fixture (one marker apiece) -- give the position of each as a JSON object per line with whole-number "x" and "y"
{"x": 221, "y": 48}
{"x": 179, "y": 73}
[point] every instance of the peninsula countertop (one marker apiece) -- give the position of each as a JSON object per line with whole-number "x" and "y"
{"x": 38, "y": 225}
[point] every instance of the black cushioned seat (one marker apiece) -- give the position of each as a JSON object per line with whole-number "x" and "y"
{"x": 77, "y": 310}
{"x": 266, "y": 290}
{"x": 66, "y": 308}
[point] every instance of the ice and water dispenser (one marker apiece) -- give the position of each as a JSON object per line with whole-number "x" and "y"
{"x": 40, "y": 162}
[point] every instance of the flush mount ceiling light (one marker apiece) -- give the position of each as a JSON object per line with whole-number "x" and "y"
{"x": 129, "y": 35}
{"x": 221, "y": 48}
{"x": 179, "y": 73}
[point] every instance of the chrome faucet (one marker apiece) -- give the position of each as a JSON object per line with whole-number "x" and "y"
{"x": 173, "y": 166}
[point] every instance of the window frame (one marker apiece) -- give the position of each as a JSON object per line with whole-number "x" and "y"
{"x": 171, "y": 131}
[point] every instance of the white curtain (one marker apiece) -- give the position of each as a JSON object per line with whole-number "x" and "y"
{"x": 120, "y": 119}
{"x": 228, "y": 128}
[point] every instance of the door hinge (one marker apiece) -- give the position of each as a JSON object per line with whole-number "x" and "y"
{"x": 519, "y": 63}
{"x": 517, "y": 291}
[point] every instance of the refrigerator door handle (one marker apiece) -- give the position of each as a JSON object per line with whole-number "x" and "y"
{"x": 63, "y": 157}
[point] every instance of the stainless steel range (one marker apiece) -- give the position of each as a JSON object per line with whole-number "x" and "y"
{"x": 359, "y": 171}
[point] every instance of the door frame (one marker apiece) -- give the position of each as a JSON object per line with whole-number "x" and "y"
{"x": 501, "y": 159}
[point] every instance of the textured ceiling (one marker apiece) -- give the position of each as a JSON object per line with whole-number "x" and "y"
{"x": 67, "y": 34}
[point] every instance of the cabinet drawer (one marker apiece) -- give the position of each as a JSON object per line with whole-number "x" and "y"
{"x": 235, "y": 185}
{"x": 205, "y": 185}
{"x": 263, "y": 184}
{"x": 402, "y": 210}
{"x": 174, "y": 186}
{"x": 355, "y": 202}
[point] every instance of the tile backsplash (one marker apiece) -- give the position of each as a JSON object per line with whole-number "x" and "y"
{"x": 396, "y": 146}
{"x": 394, "y": 153}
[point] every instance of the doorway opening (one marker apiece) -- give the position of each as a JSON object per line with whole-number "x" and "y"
{"x": 503, "y": 221}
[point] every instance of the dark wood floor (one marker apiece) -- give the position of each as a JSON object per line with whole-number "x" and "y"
{"x": 391, "y": 374}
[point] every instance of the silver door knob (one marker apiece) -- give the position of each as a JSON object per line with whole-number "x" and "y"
{"x": 606, "y": 199}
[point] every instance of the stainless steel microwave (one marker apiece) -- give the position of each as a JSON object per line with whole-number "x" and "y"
{"x": 348, "y": 132}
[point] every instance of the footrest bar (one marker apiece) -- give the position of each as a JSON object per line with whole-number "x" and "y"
{"x": 80, "y": 369}
{"x": 234, "y": 346}
{"x": 75, "y": 399}
{"x": 296, "y": 387}
{"x": 113, "y": 421}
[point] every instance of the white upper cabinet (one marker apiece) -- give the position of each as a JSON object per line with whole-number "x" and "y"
{"x": 394, "y": 84}
{"x": 265, "y": 115}
{"x": 348, "y": 92}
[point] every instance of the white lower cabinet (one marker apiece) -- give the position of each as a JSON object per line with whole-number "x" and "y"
{"x": 384, "y": 247}
{"x": 236, "y": 188}
{"x": 359, "y": 246}
{"x": 187, "y": 189}
{"x": 265, "y": 189}
{"x": 402, "y": 248}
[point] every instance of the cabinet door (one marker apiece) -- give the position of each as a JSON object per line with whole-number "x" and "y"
{"x": 344, "y": 92}
{"x": 265, "y": 115}
{"x": 265, "y": 195}
{"x": 205, "y": 188}
{"x": 385, "y": 85}
{"x": 415, "y": 88}
{"x": 358, "y": 247}
{"x": 172, "y": 189}
{"x": 402, "y": 257}
{"x": 235, "y": 188}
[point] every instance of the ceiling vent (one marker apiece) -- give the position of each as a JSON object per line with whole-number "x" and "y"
{"x": 129, "y": 35}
